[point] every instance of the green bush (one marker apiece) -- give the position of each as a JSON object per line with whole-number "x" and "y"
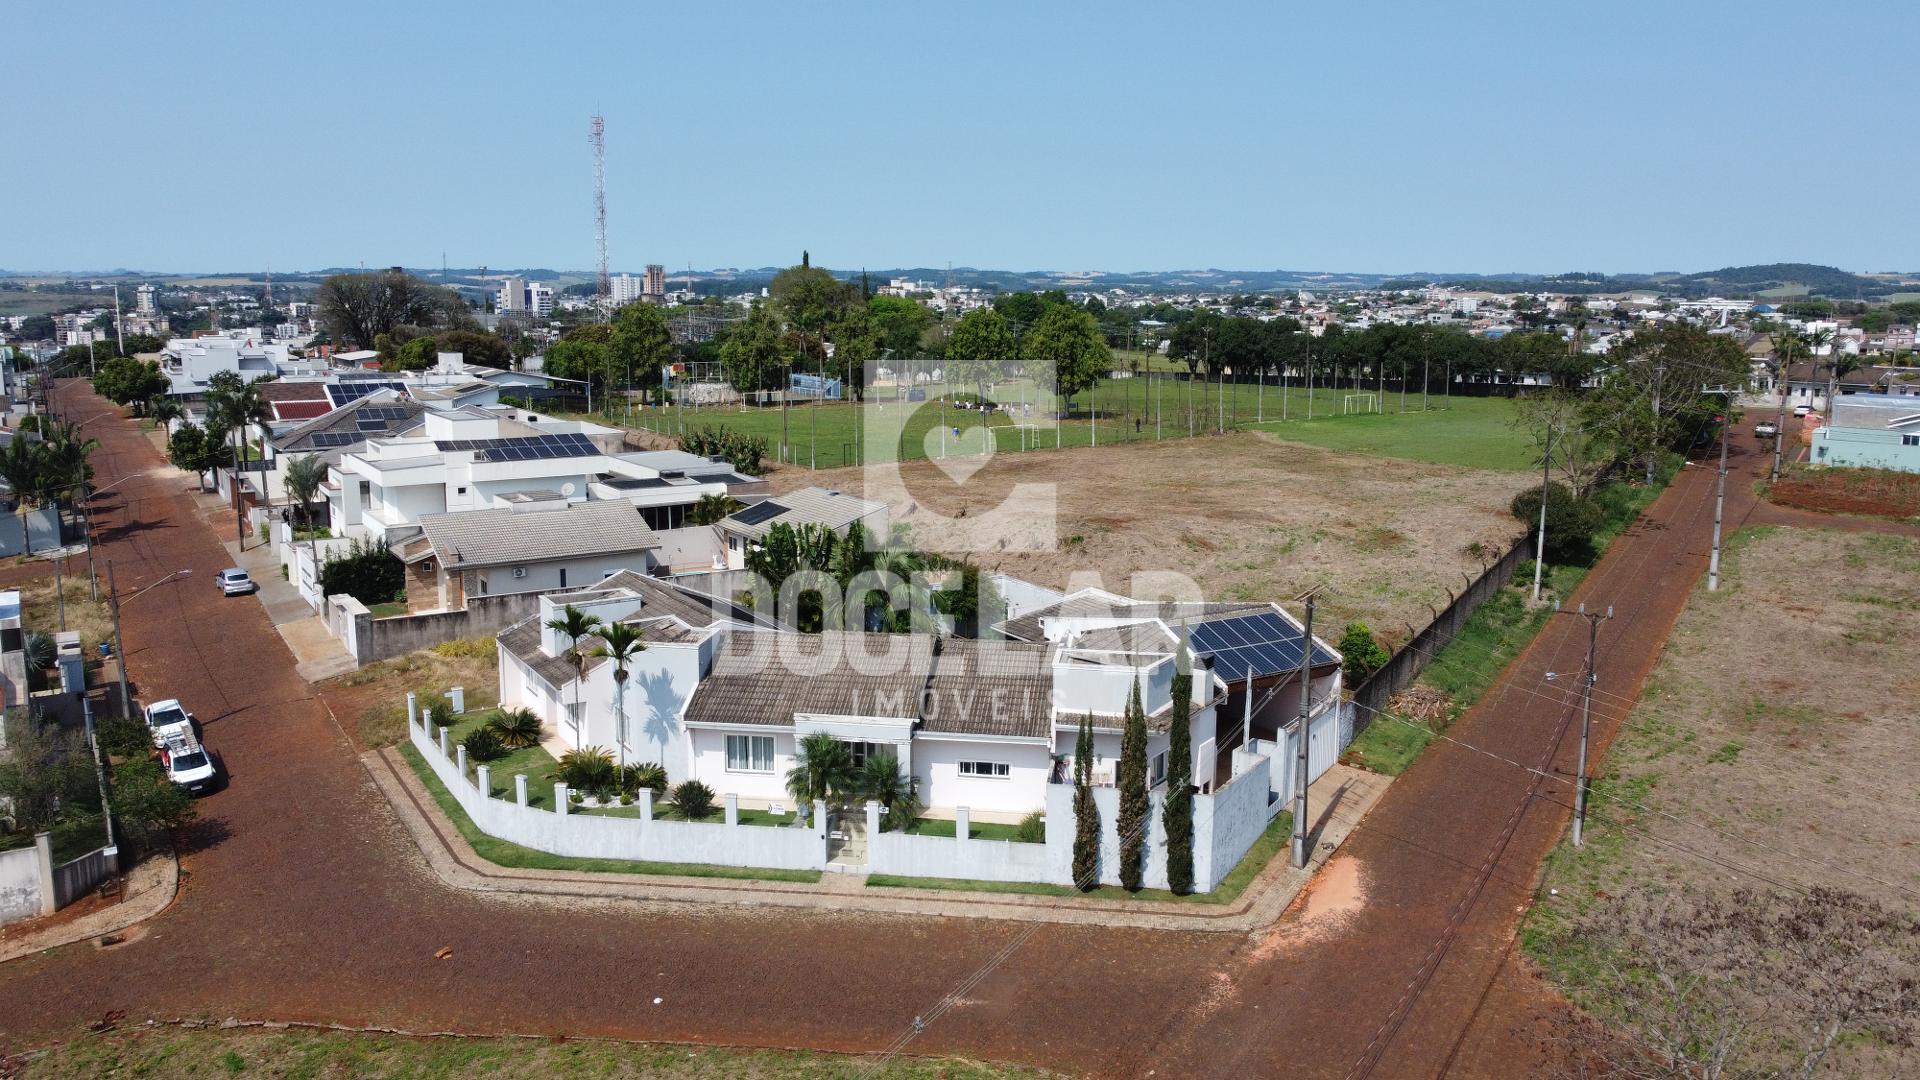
{"x": 1360, "y": 653}
{"x": 483, "y": 744}
{"x": 122, "y": 736}
{"x": 368, "y": 572}
{"x": 1032, "y": 829}
{"x": 516, "y": 728}
{"x": 589, "y": 769}
{"x": 435, "y": 707}
{"x": 1571, "y": 522}
{"x": 645, "y": 775}
{"x": 693, "y": 800}
{"x": 743, "y": 452}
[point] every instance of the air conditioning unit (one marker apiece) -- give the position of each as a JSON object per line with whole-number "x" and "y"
{"x": 519, "y": 571}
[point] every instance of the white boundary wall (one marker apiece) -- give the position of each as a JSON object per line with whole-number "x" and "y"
{"x": 586, "y": 836}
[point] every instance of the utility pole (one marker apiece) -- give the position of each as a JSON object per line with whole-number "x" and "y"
{"x": 1653, "y": 451}
{"x": 1300, "y": 752}
{"x": 1540, "y": 538}
{"x": 1720, "y": 487}
{"x": 1594, "y": 619}
{"x": 119, "y": 642}
{"x": 1780, "y": 415}
{"x": 119, "y": 332}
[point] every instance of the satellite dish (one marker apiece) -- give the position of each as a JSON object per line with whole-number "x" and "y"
{"x": 567, "y": 490}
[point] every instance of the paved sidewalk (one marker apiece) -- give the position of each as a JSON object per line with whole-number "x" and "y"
{"x": 150, "y": 888}
{"x": 1343, "y": 796}
{"x": 316, "y": 652}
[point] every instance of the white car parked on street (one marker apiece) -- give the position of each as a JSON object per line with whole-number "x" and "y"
{"x": 234, "y": 581}
{"x": 164, "y": 716}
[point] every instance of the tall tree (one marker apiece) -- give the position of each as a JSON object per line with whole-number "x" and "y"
{"x": 981, "y": 349}
{"x": 576, "y": 626}
{"x": 1176, "y": 815}
{"x": 234, "y": 404}
{"x": 302, "y": 476}
{"x": 362, "y": 306}
{"x": 1134, "y": 804}
{"x": 1086, "y": 813}
{"x": 1065, "y": 351}
{"x": 639, "y": 346}
{"x": 898, "y": 321}
{"x": 751, "y": 356}
{"x": 620, "y": 642}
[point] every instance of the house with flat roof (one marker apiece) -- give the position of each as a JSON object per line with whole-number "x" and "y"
{"x": 1871, "y": 431}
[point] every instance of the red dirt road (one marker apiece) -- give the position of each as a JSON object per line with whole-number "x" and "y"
{"x": 304, "y": 900}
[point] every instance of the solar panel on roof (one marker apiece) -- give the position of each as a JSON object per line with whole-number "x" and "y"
{"x": 759, "y": 512}
{"x": 335, "y": 438}
{"x": 1256, "y": 645}
{"x": 341, "y": 393}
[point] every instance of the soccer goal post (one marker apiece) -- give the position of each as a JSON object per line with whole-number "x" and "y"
{"x": 1366, "y": 403}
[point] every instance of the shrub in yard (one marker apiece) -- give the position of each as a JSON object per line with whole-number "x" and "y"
{"x": 368, "y": 572}
{"x": 435, "y": 707}
{"x": 122, "y": 736}
{"x": 517, "y": 728}
{"x": 1571, "y": 521}
{"x": 693, "y": 800}
{"x": 1032, "y": 829}
{"x": 473, "y": 648}
{"x": 1360, "y": 653}
{"x": 588, "y": 769}
{"x": 644, "y": 775}
{"x": 483, "y": 744}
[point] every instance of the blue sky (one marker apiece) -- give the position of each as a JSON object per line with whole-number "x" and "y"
{"x": 1356, "y": 136}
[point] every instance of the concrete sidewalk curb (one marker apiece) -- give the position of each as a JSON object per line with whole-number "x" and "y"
{"x": 455, "y": 863}
{"x": 152, "y": 886}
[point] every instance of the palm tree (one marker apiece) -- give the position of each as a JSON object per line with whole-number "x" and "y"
{"x": 898, "y": 793}
{"x": 236, "y": 404}
{"x": 163, "y": 410}
{"x": 620, "y": 643}
{"x": 302, "y": 477}
{"x": 575, "y": 625}
{"x": 518, "y": 728}
{"x": 22, "y": 466}
{"x": 822, "y": 770}
{"x": 710, "y": 509}
{"x": 1815, "y": 341}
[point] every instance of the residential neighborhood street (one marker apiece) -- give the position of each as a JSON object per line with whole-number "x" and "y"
{"x": 303, "y": 899}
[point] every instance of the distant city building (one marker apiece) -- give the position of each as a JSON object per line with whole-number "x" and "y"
{"x": 626, "y": 289}
{"x": 144, "y": 303}
{"x": 656, "y": 288}
{"x": 523, "y": 298}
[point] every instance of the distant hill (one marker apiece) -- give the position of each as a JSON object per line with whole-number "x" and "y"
{"x": 1732, "y": 281}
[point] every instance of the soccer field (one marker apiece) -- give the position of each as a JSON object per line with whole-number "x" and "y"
{"x": 1471, "y": 432}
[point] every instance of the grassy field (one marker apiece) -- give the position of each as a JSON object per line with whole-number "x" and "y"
{"x": 1472, "y": 432}
{"x": 372, "y": 701}
{"x": 502, "y": 853}
{"x": 1764, "y": 753}
{"x": 172, "y": 1053}
{"x": 976, "y": 830}
{"x": 46, "y": 301}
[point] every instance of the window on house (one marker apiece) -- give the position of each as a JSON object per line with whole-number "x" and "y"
{"x": 1159, "y": 769}
{"x": 576, "y": 712}
{"x": 1910, "y": 440}
{"x": 989, "y": 770}
{"x": 460, "y": 491}
{"x": 861, "y": 752}
{"x": 750, "y": 753}
{"x": 366, "y": 489}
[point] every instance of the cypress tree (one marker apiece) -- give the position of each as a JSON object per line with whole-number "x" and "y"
{"x": 1086, "y": 815}
{"x": 1176, "y": 815}
{"x": 1132, "y": 823}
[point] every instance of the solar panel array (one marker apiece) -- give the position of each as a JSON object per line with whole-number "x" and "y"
{"x": 336, "y": 438}
{"x": 529, "y": 448}
{"x": 383, "y": 412}
{"x": 759, "y": 512}
{"x": 1251, "y": 646}
{"x": 342, "y": 392}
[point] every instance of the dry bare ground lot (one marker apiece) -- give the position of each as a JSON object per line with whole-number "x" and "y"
{"x": 1771, "y": 752}
{"x": 1875, "y": 492}
{"x": 1246, "y": 516}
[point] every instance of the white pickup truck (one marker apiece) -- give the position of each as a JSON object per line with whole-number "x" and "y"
{"x": 187, "y": 762}
{"x": 167, "y": 714}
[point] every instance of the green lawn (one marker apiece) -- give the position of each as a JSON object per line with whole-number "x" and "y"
{"x": 502, "y": 853}
{"x": 976, "y": 830}
{"x": 1472, "y": 432}
{"x": 387, "y": 610}
{"x": 1456, "y": 431}
{"x": 542, "y": 771}
{"x": 1271, "y": 842}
